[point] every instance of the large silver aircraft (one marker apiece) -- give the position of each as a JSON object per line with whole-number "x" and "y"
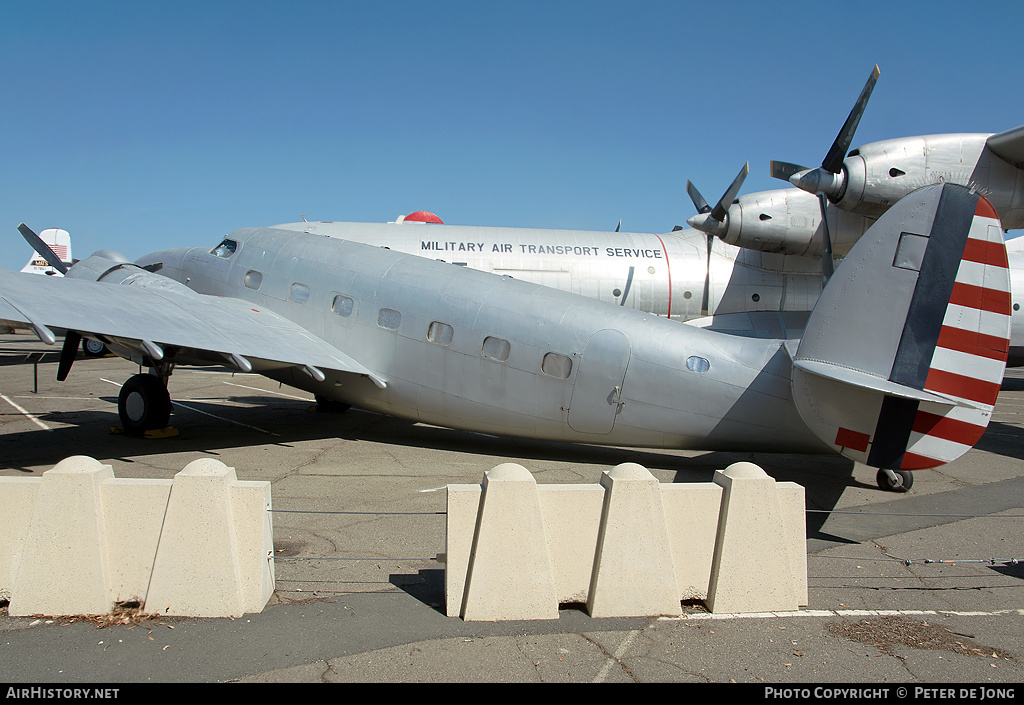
{"x": 898, "y": 368}
{"x": 751, "y": 265}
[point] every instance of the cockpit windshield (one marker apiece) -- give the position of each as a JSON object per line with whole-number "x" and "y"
{"x": 225, "y": 249}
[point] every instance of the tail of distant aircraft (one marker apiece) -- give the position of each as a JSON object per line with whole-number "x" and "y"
{"x": 902, "y": 374}
{"x": 57, "y": 240}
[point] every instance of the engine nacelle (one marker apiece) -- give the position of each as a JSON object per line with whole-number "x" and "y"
{"x": 879, "y": 174}
{"x": 112, "y": 267}
{"x": 788, "y": 221}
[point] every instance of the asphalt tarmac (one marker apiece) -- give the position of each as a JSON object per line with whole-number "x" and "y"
{"x": 915, "y": 588}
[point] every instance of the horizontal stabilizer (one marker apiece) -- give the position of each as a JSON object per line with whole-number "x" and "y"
{"x": 866, "y": 381}
{"x": 903, "y": 356}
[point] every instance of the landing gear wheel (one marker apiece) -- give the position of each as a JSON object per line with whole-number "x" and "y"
{"x": 93, "y": 348}
{"x": 143, "y": 404}
{"x": 887, "y": 483}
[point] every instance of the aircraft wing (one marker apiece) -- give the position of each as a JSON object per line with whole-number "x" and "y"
{"x": 169, "y": 323}
{"x": 1009, "y": 145}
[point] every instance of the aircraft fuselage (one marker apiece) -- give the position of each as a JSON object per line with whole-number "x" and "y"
{"x": 469, "y": 350}
{"x": 671, "y": 274}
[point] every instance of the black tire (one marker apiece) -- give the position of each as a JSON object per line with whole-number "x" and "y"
{"x": 143, "y": 404}
{"x": 93, "y": 348}
{"x": 885, "y": 483}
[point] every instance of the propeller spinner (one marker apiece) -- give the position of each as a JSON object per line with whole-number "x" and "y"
{"x": 715, "y": 221}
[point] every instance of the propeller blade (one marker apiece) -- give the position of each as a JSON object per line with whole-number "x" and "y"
{"x": 833, "y": 161}
{"x": 784, "y": 170}
{"x": 829, "y": 178}
{"x": 42, "y": 248}
{"x": 698, "y": 201}
{"x": 68, "y": 352}
{"x": 827, "y": 263}
{"x": 712, "y": 221}
{"x": 705, "y": 300}
{"x": 730, "y": 195}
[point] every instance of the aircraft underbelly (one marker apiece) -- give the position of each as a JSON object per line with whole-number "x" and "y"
{"x": 597, "y": 391}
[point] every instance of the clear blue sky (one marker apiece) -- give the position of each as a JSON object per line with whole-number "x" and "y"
{"x": 143, "y": 125}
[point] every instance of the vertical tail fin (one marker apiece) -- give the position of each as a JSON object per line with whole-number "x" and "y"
{"x": 903, "y": 357}
{"x": 59, "y": 243}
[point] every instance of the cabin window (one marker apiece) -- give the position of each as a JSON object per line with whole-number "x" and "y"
{"x": 697, "y": 364}
{"x": 342, "y": 305}
{"x": 496, "y": 348}
{"x": 440, "y": 333}
{"x": 225, "y": 249}
{"x": 555, "y": 365}
{"x": 389, "y": 318}
{"x": 299, "y": 293}
{"x": 253, "y": 279}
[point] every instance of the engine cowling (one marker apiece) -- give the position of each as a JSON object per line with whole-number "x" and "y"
{"x": 112, "y": 267}
{"x": 788, "y": 221}
{"x": 879, "y": 174}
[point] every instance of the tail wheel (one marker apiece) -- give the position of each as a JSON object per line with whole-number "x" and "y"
{"x": 143, "y": 404}
{"x": 901, "y": 481}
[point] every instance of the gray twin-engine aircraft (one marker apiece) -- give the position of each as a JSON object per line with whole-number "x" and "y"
{"x": 898, "y": 367}
{"x": 751, "y": 266}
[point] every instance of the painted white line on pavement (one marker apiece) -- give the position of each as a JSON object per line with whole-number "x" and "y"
{"x": 841, "y": 613}
{"x": 206, "y": 413}
{"x": 34, "y": 420}
{"x": 614, "y": 660}
{"x": 269, "y": 391}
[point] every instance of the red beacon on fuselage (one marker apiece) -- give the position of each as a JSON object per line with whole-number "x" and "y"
{"x": 420, "y": 217}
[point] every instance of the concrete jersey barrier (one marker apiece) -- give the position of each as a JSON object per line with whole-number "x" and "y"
{"x": 79, "y": 541}
{"x": 628, "y": 547}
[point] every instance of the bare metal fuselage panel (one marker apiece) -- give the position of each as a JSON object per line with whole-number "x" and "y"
{"x": 494, "y": 354}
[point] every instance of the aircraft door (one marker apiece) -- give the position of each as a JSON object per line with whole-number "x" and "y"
{"x": 597, "y": 392}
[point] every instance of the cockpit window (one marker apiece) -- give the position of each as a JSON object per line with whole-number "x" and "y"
{"x": 225, "y": 249}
